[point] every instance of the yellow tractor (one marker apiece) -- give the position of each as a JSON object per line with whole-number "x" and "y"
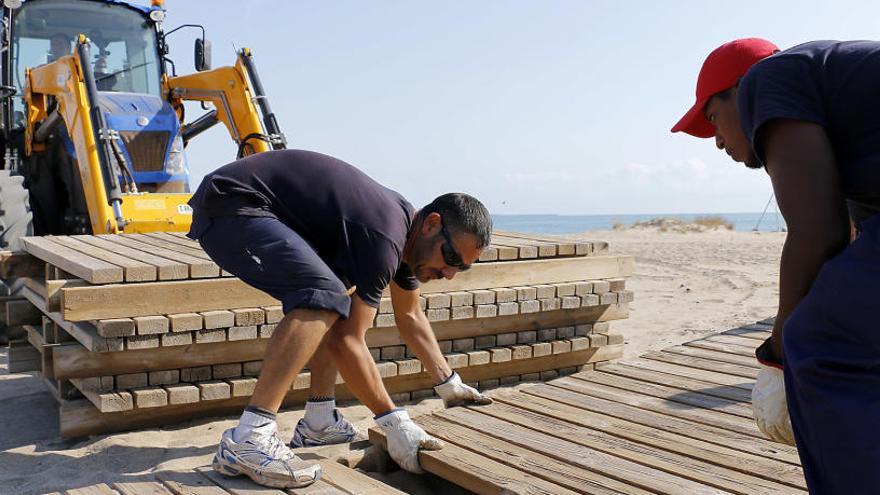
{"x": 93, "y": 122}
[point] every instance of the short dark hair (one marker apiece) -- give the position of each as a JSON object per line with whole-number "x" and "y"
{"x": 462, "y": 213}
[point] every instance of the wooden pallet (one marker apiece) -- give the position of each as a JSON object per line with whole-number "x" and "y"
{"x": 676, "y": 421}
{"x": 166, "y": 256}
{"x": 336, "y": 479}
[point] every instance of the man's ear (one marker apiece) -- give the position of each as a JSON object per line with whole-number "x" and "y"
{"x": 432, "y": 224}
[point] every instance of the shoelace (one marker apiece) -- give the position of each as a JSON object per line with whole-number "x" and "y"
{"x": 278, "y": 449}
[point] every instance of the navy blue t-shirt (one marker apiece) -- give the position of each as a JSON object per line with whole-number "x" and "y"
{"x": 836, "y": 85}
{"x": 356, "y": 225}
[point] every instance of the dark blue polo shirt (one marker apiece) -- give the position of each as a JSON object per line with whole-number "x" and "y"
{"x": 836, "y": 85}
{"x": 356, "y": 225}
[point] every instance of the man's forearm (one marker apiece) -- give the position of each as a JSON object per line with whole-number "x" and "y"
{"x": 418, "y": 336}
{"x": 802, "y": 258}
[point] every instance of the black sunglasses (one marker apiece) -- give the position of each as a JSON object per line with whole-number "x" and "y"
{"x": 450, "y": 255}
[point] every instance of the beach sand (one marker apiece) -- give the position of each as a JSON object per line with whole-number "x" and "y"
{"x": 686, "y": 285}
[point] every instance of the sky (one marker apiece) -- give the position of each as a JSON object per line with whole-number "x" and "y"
{"x": 551, "y": 106}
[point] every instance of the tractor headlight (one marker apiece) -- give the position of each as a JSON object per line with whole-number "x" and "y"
{"x": 175, "y": 164}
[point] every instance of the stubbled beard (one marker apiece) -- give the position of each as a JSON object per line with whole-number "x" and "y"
{"x": 753, "y": 162}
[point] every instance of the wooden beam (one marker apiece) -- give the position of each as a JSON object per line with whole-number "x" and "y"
{"x": 82, "y": 265}
{"x": 474, "y": 327}
{"x": 156, "y": 298}
{"x": 533, "y": 272}
{"x": 22, "y": 312}
{"x": 20, "y": 264}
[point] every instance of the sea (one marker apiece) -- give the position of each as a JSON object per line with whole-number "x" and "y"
{"x": 571, "y": 224}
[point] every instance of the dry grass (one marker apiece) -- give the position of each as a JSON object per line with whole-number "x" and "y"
{"x": 714, "y": 222}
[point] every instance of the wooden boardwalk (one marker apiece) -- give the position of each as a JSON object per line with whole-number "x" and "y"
{"x": 672, "y": 422}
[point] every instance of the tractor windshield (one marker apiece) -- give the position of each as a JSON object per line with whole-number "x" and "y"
{"x": 125, "y": 56}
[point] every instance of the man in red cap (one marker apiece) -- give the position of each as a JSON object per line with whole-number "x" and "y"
{"x": 810, "y": 116}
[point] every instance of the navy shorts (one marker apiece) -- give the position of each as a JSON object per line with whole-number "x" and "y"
{"x": 832, "y": 371}
{"x": 267, "y": 254}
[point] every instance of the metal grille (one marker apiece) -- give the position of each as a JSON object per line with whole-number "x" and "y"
{"x": 146, "y": 149}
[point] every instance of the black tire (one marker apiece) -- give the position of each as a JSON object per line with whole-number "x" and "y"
{"x": 16, "y": 219}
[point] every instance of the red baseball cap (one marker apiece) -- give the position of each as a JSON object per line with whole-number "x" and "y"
{"x": 721, "y": 70}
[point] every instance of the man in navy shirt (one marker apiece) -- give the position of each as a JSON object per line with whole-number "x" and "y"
{"x": 326, "y": 240}
{"x": 810, "y": 117}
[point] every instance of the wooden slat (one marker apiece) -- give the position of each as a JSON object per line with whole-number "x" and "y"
{"x": 709, "y": 377}
{"x": 736, "y": 394}
{"x": 173, "y": 244}
{"x": 477, "y": 473}
{"x": 21, "y": 312}
{"x": 20, "y": 264}
{"x": 474, "y": 327}
{"x": 759, "y": 446}
{"x": 734, "y": 349}
{"x": 240, "y": 485}
{"x": 83, "y": 266}
{"x": 156, "y": 298}
{"x": 526, "y": 460}
{"x": 543, "y": 249}
{"x": 694, "y": 399}
{"x": 348, "y": 480}
{"x": 663, "y": 405}
{"x": 524, "y": 250}
{"x": 692, "y": 475}
{"x": 74, "y": 361}
{"x": 99, "y": 489}
{"x": 141, "y": 488}
{"x": 82, "y": 418}
{"x": 533, "y": 272}
{"x": 166, "y": 269}
{"x": 703, "y": 364}
{"x": 715, "y": 355}
{"x": 565, "y": 247}
{"x": 84, "y": 333}
{"x": 198, "y": 267}
{"x": 134, "y": 270}
{"x": 726, "y": 457}
{"x": 188, "y": 483}
{"x": 576, "y": 448}
{"x": 739, "y": 340}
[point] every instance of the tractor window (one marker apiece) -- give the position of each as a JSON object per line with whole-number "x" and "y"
{"x": 124, "y": 52}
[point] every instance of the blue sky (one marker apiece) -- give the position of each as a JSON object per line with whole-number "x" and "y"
{"x": 532, "y": 106}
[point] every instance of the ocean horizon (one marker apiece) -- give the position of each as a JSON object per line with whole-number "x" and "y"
{"x": 572, "y": 224}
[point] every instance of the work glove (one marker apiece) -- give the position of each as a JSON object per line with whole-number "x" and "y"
{"x": 455, "y": 393}
{"x": 768, "y": 397}
{"x": 405, "y": 438}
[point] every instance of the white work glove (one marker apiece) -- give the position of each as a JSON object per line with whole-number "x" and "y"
{"x": 455, "y": 393}
{"x": 768, "y": 398}
{"x": 405, "y": 438}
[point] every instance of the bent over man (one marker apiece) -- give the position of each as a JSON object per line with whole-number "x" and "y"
{"x": 810, "y": 117}
{"x": 325, "y": 239}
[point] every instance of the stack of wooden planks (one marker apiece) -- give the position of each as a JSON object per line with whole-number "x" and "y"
{"x": 672, "y": 422}
{"x": 144, "y": 329}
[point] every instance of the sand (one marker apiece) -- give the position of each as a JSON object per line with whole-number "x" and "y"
{"x": 686, "y": 285}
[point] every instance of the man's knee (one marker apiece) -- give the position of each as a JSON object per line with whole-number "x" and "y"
{"x": 343, "y": 337}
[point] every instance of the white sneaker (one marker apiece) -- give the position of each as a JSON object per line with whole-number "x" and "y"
{"x": 264, "y": 458}
{"x": 339, "y": 432}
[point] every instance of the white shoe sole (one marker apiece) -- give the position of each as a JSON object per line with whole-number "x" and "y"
{"x": 231, "y": 470}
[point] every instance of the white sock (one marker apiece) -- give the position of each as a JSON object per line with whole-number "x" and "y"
{"x": 319, "y": 415}
{"x": 251, "y": 421}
